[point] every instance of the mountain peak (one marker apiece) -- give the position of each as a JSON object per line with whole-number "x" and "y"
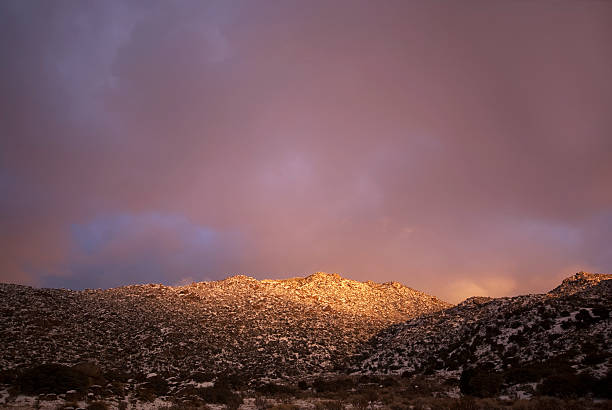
{"x": 580, "y": 281}
{"x": 316, "y": 321}
{"x": 238, "y": 279}
{"x": 324, "y": 276}
{"x": 475, "y": 301}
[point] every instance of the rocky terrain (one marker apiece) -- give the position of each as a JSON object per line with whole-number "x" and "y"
{"x": 316, "y": 342}
{"x": 521, "y": 340}
{"x": 269, "y": 328}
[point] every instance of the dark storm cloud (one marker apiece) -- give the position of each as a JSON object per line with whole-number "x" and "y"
{"x": 144, "y": 248}
{"x": 458, "y": 148}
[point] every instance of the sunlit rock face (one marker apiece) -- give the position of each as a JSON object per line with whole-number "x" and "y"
{"x": 268, "y": 328}
{"x": 579, "y": 282}
{"x": 570, "y": 325}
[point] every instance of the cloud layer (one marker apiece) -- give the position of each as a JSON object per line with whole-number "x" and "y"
{"x": 453, "y": 147}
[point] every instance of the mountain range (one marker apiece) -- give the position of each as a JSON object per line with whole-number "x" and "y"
{"x": 243, "y": 333}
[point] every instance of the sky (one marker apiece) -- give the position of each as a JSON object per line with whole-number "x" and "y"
{"x": 460, "y": 148}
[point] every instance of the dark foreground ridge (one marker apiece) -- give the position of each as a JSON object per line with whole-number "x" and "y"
{"x": 308, "y": 340}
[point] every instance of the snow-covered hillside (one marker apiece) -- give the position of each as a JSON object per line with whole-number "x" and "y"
{"x": 568, "y": 330}
{"x": 269, "y": 328}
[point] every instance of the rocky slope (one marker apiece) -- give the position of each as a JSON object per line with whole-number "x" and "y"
{"x": 259, "y": 329}
{"x": 568, "y": 329}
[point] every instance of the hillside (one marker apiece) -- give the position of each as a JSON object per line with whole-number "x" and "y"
{"x": 259, "y": 329}
{"x": 317, "y": 342}
{"x": 567, "y": 331}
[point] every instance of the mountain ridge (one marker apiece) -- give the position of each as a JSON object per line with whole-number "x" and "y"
{"x": 146, "y": 341}
{"x": 567, "y": 329}
{"x": 268, "y": 328}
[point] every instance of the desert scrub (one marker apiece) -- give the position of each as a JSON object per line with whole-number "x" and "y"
{"x": 98, "y": 405}
{"x": 52, "y": 378}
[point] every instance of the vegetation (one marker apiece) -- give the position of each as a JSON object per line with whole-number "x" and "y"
{"x": 220, "y": 395}
{"x": 480, "y": 383}
{"x": 98, "y": 405}
{"x": 51, "y": 378}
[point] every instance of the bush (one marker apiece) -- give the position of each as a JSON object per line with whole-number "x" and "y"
{"x": 465, "y": 403}
{"x": 232, "y": 381}
{"x": 117, "y": 375}
{"x": 333, "y": 385}
{"x": 603, "y": 387}
{"x": 595, "y": 358}
{"x": 389, "y": 382}
{"x": 360, "y": 402}
{"x": 201, "y": 377}
{"x": 601, "y": 312}
{"x": 564, "y": 385}
{"x": 157, "y": 385}
{"x": 365, "y": 379}
{"x": 276, "y": 389}
{"x": 146, "y": 394}
{"x": 584, "y": 318}
{"x": 7, "y": 377}
{"x": 329, "y": 405}
{"x": 220, "y": 395}
{"x": 522, "y": 374}
{"x": 260, "y": 402}
{"x": 535, "y": 371}
{"x": 98, "y": 405}
{"x": 52, "y": 378}
{"x": 117, "y": 388}
{"x": 480, "y": 383}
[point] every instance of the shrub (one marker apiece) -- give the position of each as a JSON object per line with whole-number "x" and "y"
{"x": 220, "y": 395}
{"x": 201, "y": 377}
{"x": 480, "y": 383}
{"x": 333, "y": 385}
{"x": 545, "y": 403}
{"x": 157, "y": 385}
{"x": 98, "y": 405}
{"x": 117, "y": 388}
{"x": 275, "y": 389}
{"x": 407, "y": 374}
{"x": 91, "y": 370}
{"x": 7, "y": 377}
{"x": 364, "y": 379}
{"x": 584, "y": 318}
{"x": 389, "y": 382}
{"x": 564, "y": 385}
{"x": 52, "y": 378}
{"x": 146, "y": 394}
{"x": 603, "y": 387}
{"x": 329, "y": 405}
{"x": 522, "y": 374}
{"x": 465, "y": 403}
{"x": 360, "y": 402}
{"x": 260, "y": 402}
{"x": 232, "y": 381}
{"x": 595, "y": 358}
{"x": 601, "y": 312}
{"x": 117, "y": 375}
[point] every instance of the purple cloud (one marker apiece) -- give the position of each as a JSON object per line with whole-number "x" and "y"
{"x": 445, "y": 146}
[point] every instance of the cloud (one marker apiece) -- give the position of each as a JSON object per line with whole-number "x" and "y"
{"x": 485, "y": 285}
{"x": 422, "y": 143}
{"x": 120, "y": 249}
